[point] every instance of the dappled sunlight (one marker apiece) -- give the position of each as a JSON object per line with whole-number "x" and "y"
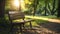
{"x": 19, "y": 20}
{"x": 16, "y": 3}
{"x": 35, "y": 17}
{"x": 22, "y": 5}
{"x": 54, "y": 20}
{"x": 27, "y": 2}
{"x": 27, "y": 24}
{"x": 34, "y": 24}
{"x": 42, "y": 18}
{"x": 32, "y": 16}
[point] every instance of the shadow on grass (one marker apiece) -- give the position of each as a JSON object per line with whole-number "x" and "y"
{"x": 45, "y": 24}
{"x": 50, "y": 25}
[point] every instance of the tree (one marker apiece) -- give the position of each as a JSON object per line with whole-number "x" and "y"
{"x": 2, "y": 9}
{"x": 52, "y": 12}
{"x": 58, "y": 15}
{"x": 46, "y": 6}
{"x": 36, "y": 2}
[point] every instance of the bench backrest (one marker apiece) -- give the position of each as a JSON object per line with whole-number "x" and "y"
{"x": 13, "y": 15}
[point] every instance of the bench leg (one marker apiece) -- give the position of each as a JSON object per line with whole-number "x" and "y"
{"x": 23, "y": 25}
{"x": 21, "y": 28}
{"x": 30, "y": 25}
{"x": 11, "y": 29}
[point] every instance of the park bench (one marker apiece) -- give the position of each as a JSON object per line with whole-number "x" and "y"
{"x": 15, "y": 15}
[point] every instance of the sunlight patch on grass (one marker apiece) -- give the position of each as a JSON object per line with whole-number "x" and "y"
{"x": 33, "y": 24}
{"x": 44, "y": 18}
{"x": 35, "y": 17}
{"x": 18, "y": 20}
{"x": 27, "y": 24}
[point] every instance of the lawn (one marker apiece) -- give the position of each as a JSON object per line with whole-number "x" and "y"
{"x": 37, "y": 21}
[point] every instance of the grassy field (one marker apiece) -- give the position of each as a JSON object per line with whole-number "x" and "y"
{"x": 37, "y": 20}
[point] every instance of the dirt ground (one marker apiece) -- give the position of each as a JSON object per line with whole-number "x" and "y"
{"x": 45, "y": 28}
{"x": 42, "y": 28}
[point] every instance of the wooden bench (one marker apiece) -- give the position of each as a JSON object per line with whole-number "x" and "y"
{"x": 14, "y": 15}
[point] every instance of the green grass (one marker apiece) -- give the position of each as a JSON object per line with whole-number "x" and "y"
{"x": 41, "y": 19}
{"x": 54, "y": 17}
{"x": 37, "y": 20}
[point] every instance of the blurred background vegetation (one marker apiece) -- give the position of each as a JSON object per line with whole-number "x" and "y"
{"x": 39, "y": 8}
{"x": 30, "y": 7}
{"x": 36, "y": 7}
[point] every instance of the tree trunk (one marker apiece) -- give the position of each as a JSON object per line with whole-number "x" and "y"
{"x": 52, "y": 12}
{"x": 58, "y": 12}
{"x": 45, "y": 7}
{"x": 36, "y": 2}
{"x": 2, "y": 9}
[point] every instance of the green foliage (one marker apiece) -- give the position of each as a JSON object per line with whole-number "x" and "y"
{"x": 39, "y": 6}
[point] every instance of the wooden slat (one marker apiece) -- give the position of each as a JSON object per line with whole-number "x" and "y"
{"x": 16, "y": 15}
